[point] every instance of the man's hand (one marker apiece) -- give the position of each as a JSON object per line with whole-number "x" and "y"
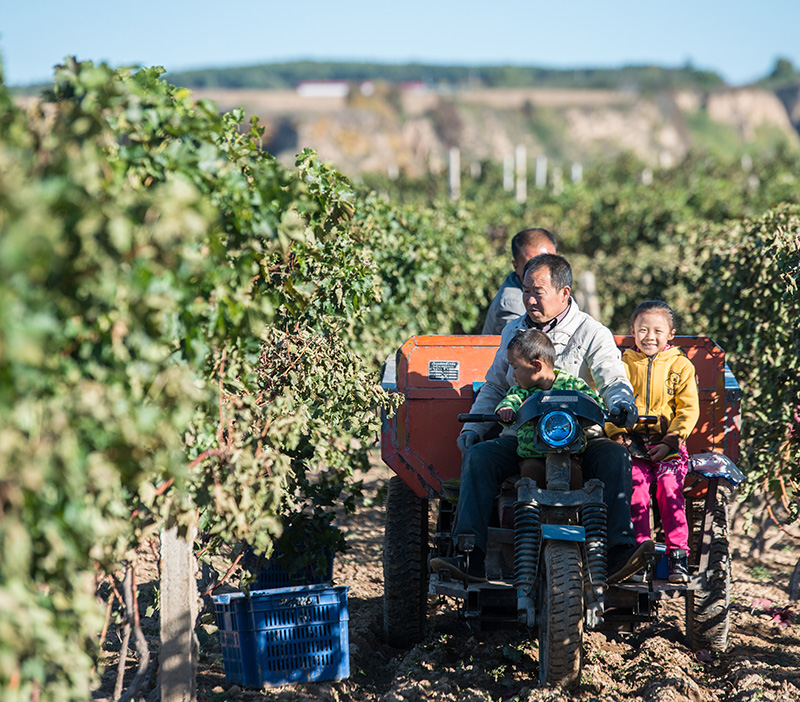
{"x": 621, "y": 438}
{"x": 466, "y": 440}
{"x": 623, "y": 413}
{"x": 506, "y": 415}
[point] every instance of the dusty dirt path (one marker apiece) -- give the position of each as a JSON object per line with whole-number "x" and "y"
{"x": 653, "y": 664}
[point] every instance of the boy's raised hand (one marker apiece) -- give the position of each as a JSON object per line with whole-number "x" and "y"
{"x": 506, "y": 415}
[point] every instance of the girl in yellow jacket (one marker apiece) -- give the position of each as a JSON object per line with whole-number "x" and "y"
{"x": 665, "y": 385}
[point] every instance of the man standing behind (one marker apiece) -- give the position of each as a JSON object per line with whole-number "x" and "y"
{"x": 508, "y": 304}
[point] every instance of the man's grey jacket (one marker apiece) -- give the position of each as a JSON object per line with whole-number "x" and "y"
{"x": 507, "y": 305}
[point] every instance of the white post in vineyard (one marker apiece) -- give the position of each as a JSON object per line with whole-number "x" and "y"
{"x": 590, "y": 302}
{"x": 521, "y": 158}
{"x": 179, "y": 653}
{"x": 455, "y": 173}
{"x": 541, "y": 171}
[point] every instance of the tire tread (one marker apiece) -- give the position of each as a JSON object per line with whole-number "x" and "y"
{"x": 561, "y": 665}
{"x": 405, "y": 565}
{"x": 708, "y": 610}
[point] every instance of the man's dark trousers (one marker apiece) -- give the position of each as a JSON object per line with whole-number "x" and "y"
{"x": 488, "y": 463}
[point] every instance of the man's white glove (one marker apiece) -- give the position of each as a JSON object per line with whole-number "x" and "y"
{"x": 623, "y": 413}
{"x": 466, "y": 440}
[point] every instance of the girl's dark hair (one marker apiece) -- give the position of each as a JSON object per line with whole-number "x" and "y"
{"x": 533, "y": 345}
{"x": 655, "y": 306}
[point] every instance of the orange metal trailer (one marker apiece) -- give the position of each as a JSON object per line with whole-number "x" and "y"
{"x": 440, "y": 375}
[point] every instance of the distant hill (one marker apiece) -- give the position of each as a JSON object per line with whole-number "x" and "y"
{"x": 392, "y": 130}
{"x": 281, "y": 76}
{"x": 405, "y": 118}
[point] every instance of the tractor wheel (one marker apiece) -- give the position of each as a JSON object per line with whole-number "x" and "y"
{"x": 708, "y": 610}
{"x": 405, "y": 565}
{"x": 560, "y": 615}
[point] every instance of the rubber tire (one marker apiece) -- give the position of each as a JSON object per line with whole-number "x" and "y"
{"x": 405, "y": 566}
{"x": 560, "y": 614}
{"x": 708, "y": 613}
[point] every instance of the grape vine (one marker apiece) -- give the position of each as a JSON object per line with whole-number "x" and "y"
{"x": 190, "y": 333}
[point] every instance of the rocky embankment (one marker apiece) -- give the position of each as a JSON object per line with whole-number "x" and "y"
{"x": 392, "y": 131}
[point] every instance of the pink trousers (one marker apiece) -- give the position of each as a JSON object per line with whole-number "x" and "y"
{"x": 669, "y": 475}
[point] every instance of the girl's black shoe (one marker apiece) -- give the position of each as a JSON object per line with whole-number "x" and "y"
{"x": 678, "y": 566}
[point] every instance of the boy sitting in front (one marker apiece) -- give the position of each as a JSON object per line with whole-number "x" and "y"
{"x": 532, "y": 356}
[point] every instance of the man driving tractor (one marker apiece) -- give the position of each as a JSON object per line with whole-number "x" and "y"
{"x": 586, "y": 349}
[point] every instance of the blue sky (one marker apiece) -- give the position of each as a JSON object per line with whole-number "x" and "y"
{"x": 740, "y": 39}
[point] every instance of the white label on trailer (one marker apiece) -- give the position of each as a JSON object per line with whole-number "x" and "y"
{"x": 443, "y": 370}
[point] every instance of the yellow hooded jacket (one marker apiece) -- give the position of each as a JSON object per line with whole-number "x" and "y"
{"x": 665, "y": 385}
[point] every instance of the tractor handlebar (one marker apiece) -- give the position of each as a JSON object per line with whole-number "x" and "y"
{"x": 478, "y": 418}
{"x": 469, "y": 417}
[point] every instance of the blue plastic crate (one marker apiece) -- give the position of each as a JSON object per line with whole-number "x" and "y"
{"x": 238, "y": 654}
{"x": 285, "y": 635}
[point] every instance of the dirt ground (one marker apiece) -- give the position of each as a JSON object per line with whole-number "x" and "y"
{"x": 653, "y": 664}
